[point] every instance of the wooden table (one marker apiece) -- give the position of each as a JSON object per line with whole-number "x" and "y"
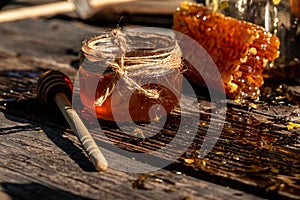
{"x": 256, "y": 156}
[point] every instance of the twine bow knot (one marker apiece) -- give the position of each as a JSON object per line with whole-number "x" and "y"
{"x": 124, "y": 66}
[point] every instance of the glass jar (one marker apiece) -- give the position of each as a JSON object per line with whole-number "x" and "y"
{"x": 126, "y": 85}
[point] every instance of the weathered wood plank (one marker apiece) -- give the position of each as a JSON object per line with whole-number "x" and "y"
{"x": 41, "y": 162}
{"x": 56, "y": 40}
{"x": 255, "y": 153}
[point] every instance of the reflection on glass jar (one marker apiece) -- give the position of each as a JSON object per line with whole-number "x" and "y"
{"x": 125, "y": 76}
{"x": 280, "y": 17}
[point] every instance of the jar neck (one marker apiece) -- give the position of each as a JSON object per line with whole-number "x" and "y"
{"x": 135, "y": 53}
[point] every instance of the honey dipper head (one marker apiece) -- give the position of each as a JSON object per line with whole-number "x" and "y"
{"x": 51, "y": 83}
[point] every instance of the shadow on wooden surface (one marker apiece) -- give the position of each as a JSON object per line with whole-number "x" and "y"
{"x": 32, "y": 191}
{"x": 14, "y": 129}
{"x": 53, "y": 119}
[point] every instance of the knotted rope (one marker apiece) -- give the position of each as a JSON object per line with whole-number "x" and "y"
{"x": 131, "y": 55}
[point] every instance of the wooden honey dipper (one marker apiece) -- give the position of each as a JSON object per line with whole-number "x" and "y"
{"x": 54, "y": 87}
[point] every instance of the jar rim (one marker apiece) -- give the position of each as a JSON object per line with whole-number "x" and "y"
{"x": 101, "y": 47}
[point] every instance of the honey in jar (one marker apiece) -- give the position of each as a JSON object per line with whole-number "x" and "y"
{"x": 124, "y": 76}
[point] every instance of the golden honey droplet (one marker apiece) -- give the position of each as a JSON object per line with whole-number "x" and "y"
{"x": 158, "y": 180}
{"x": 224, "y": 5}
{"x": 236, "y": 157}
{"x": 202, "y": 123}
{"x": 189, "y": 160}
{"x": 276, "y": 2}
{"x": 292, "y": 126}
{"x": 253, "y": 105}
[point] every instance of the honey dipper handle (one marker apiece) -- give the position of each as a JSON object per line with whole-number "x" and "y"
{"x": 91, "y": 148}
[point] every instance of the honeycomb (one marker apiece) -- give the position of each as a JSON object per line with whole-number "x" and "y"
{"x": 240, "y": 49}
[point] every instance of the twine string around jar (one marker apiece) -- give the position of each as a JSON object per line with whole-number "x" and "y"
{"x": 130, "y": 64}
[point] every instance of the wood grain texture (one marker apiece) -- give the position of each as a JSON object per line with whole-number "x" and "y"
{"x": 256, "y": 153}
{"x": 42, "y": 162}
